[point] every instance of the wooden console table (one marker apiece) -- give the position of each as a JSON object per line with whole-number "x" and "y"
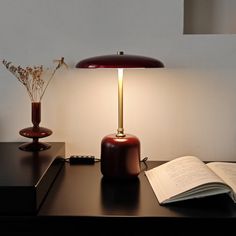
{"x": 80, "y": 200}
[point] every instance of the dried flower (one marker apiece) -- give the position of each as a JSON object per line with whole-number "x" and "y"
{"x": 32, "y": 77}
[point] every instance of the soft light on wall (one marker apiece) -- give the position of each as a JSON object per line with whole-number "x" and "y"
{"x": 177, "y": 111}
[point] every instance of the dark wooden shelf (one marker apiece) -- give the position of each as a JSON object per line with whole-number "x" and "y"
{"x": 25, "y": 177}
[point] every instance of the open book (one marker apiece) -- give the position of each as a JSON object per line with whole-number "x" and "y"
{"x": 188, "y": 177}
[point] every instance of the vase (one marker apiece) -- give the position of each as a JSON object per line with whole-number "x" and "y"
{"x": 35, "y": 132}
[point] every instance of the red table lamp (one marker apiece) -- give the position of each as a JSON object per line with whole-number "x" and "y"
{"x": 120, "y": 152}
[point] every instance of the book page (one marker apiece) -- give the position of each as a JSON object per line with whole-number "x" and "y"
{"x": 226, "y": 171}
{"x": 178, "y": 176}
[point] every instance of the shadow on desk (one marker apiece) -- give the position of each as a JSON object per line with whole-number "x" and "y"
{"x": 213, "y": 206}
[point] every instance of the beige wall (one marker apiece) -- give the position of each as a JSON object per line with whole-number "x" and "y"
{"x": 188, "y": 108}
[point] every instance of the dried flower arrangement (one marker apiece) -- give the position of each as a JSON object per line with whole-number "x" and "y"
{"x": 32, "y": 77}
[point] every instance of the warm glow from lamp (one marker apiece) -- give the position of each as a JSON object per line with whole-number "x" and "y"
{"x": 120, "y": 152}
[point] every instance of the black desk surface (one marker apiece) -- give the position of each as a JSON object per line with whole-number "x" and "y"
{"x": 80, "y": 199}
{"x": 81, "y": 191}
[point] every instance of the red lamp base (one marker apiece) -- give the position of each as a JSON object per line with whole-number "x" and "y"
{"x": 120, "y": 156}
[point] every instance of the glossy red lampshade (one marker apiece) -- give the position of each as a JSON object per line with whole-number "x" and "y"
{"x": 120, "y": 60}
{"x": 120, "y": 152}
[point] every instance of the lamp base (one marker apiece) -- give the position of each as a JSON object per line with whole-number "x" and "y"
{"x": 120, "y": 156}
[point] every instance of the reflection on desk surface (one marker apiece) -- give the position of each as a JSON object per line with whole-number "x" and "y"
{"x": 120, "y": 196}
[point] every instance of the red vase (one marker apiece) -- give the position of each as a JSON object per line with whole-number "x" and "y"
{"x": 36, "y": 131}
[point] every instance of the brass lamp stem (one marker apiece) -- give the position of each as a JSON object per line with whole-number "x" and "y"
{"x": 120, "y": 130}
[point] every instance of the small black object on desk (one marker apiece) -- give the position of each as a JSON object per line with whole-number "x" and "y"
{"x": 84, "y": 160}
